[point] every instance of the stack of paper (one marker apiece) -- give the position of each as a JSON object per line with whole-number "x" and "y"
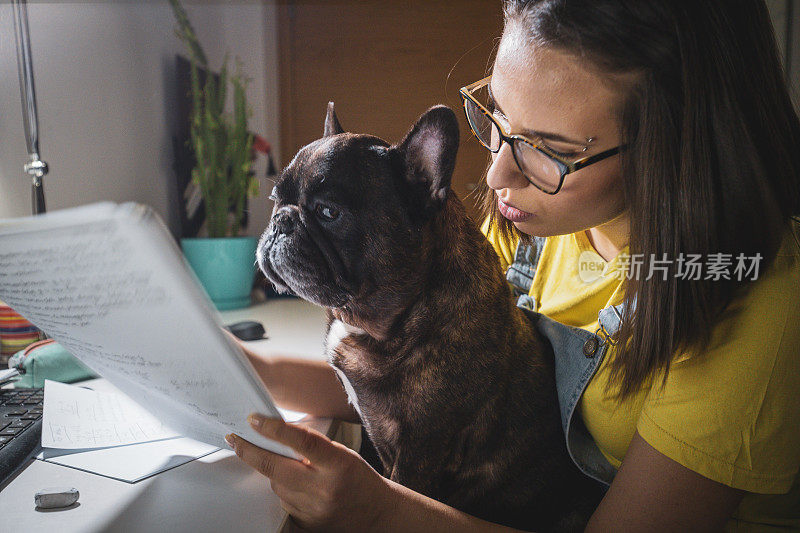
{"x": 96, "y": 428}
{"x": 104, "y": 432}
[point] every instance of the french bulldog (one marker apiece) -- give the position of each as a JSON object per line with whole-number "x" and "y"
{"x": 452, "y": 382}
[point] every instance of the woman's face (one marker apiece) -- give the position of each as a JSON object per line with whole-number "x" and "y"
{"x": 538, "y": 89}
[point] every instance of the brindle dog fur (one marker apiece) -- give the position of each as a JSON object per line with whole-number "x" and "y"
{"x": 452, "y": 382}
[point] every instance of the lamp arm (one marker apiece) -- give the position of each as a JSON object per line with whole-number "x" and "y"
{"x": 36, "y": 168}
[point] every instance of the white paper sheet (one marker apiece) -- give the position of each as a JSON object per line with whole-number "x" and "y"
{"x": 78, "y": 418}
{"x": 96, "y": 413}
{"x": 110, "y": 284}
{"x": 12, "y": 374}
{"x": 131, "y": 463}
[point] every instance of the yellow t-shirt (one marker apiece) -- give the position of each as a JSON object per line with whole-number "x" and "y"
{"x": 732, "y": 414}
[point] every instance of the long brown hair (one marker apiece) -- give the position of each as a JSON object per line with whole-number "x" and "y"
{"x": 712, "y": 163}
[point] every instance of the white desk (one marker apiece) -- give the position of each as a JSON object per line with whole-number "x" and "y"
{"x": 217, "y": 492}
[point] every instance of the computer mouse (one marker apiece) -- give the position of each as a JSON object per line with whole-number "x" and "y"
{"x": 247, "y": 330}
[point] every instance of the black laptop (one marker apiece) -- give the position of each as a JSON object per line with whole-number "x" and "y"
{"x": 20, "y": 429}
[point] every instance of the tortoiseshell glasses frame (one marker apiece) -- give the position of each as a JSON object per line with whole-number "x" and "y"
{"x": 521, "y": 145}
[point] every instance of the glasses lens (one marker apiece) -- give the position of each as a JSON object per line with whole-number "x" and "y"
{"x": 485, "y": 129}
{"x": 540, "y": 169}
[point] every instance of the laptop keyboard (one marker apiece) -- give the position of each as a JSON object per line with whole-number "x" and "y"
{"x": 20, "y": 428}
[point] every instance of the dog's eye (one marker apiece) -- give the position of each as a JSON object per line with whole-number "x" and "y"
{"x": 274, "y": 194}
{"x": 326, "y": 212}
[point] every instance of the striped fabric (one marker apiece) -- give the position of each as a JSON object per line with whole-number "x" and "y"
{"x": 16, "y": 333}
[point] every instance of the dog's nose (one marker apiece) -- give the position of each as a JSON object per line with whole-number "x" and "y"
{"x": 283, "y": 222}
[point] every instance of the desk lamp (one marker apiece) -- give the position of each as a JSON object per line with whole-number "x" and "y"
{"x": 36, "y": 168}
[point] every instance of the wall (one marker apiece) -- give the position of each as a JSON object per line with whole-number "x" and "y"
{"x": 105, "y": 91}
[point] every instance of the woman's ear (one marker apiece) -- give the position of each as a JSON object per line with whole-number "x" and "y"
{"x": 332, "y": 126}
{"x": 429, "y": 151}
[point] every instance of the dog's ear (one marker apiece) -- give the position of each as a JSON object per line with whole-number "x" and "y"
{"x": 429, "y": 150}
{"x": 332, "y": 126}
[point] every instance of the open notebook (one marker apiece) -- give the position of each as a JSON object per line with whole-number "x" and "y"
{"x": 109, "y": 283}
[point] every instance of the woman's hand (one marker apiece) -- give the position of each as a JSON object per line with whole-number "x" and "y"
{"x": 331, "y": 489}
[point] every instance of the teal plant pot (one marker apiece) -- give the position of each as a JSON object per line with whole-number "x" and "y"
{"x": 225, "y": 268}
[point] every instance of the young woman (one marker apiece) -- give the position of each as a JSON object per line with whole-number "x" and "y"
{"x": 645, "y": 170}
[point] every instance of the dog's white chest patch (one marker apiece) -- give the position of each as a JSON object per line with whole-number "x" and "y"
{"x": 338, "y": 331}
{"x": 351, "y": 393}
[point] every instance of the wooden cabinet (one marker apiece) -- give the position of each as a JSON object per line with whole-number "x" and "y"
{"x": 383, "y": 63}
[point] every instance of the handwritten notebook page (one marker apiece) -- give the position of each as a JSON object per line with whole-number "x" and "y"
{"x": 78, "y": 418}
{"x": 109, "y": 283}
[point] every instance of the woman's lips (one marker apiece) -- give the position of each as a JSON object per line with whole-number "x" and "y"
{"x": 512, "y": 213}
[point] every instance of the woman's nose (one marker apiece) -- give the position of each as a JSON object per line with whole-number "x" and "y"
{"x": 504, "y": 173}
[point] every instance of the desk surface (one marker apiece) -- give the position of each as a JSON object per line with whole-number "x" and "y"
{"x": 217, "y": 492}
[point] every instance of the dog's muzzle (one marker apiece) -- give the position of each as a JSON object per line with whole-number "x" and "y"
{"x": 283, "y": 222}
{"x": 295, "y": 257}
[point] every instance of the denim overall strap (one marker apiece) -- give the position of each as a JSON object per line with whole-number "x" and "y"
{"x": 578, "y": 354}
{"x": 520, "y": 274}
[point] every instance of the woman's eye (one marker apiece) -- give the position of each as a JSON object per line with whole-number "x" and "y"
{"x": 274, "y": 194}
{"x": 503, "y": 121}
{"x": 326, "y": 212}
{"x": 566, "y": 155}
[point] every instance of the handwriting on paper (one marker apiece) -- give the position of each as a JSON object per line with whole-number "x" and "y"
{"x": 109, "y": 283}
{"x": 78, "y": 418}
{"x": 77, "y": 277}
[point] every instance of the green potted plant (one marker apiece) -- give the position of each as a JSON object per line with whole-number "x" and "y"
{"x": 222, "y": 149}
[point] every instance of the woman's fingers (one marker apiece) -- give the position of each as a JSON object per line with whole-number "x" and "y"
{"x": 285, "y": 470}
{"x": 311, "y": 444}
{"x": 332, "y": 485}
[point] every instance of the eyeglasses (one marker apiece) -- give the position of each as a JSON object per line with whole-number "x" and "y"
{"x": 543, "y": 167}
